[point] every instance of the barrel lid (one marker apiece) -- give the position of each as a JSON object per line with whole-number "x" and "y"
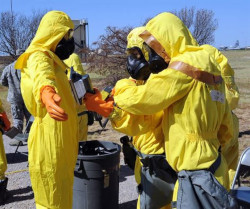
{"x": 97, "y": 149}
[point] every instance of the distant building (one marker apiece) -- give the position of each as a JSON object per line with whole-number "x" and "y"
{"x": 81, "y": 36}
{"x": 236, "y": 46}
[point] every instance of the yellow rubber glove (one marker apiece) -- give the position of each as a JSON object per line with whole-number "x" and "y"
{"x": 52, "y": 100}
{"x": 95, "y": 103}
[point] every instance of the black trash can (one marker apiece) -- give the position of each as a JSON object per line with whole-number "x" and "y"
{"x": 96, "y": 180}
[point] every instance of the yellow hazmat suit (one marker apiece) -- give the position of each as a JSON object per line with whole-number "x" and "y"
{"x": 231, "y": 150}
{"x": 52, "y": 144}
{"x": 197, "y": 120}
{"x": 75, "y": 62}
{"x": 3, "y": 161}
{"x": 150, "y": 142}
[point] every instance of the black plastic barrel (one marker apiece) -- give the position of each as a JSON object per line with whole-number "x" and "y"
{"x": 96, "y": 180}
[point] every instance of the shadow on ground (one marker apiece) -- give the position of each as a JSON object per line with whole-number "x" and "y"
{"x": 244, "y": 133}
{"x": 128, "y": 205}
{"x": 124, "y": 172}
{"x": 13, "y": 158}
{"x": 20, "y": 194}
{"x": 99, "y": 131}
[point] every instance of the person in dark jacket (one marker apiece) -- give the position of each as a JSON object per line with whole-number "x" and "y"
{"x": 11, "y": 78}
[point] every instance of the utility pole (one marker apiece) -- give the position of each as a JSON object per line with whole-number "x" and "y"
{"x": 12, "y": 25}
{"x": 11, "y": 6}
{"x": 11, "y": 11}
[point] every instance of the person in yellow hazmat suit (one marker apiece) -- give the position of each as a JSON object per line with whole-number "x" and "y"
{"x": 231, "y": 150}
{"x": 197, "y": 120}
{"x": 53, "y": 138}
{"x": 4, "y": 126}
{"x": 149, "y": 144}
{"x": 75, "y": 62}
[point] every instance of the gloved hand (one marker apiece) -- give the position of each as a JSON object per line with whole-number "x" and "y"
{"x": 51, "y": 100}
{"x": 95, "y": 103}
{"x": 4, "y": 118}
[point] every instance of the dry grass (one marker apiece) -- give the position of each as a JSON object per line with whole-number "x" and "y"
{"x": 240, "y": 62}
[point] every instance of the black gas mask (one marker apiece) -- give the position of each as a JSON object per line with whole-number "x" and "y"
{"x": 65, "y": 48}
{"x": 137, "y": 66}
{"x": 156, "y": 62}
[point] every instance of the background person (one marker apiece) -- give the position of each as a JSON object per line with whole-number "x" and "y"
{"x": 53, "y": 137}
{"x": 11, "y": 78}
{"x": 75, "y": 62}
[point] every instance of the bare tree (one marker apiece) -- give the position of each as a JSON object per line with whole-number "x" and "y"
{"x": 109, "y": 56}
{"x": 34, "y": 22}
{"x": 187, "y": 16}
{"x": 17, "y": 31}
{"x": 201, "y": 23}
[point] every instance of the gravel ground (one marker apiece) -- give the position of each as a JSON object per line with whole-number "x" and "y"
{"x": 20, "y": 192}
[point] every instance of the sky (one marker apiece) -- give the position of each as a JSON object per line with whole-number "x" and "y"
{"x": 233, "y": 16}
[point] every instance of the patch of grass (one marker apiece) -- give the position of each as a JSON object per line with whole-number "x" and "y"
{"x": 96, "y": 76}
{"x": 240, "y": 62}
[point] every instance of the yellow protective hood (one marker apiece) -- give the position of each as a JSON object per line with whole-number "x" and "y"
{"x": 172, "y": 34}
{"x": 176, "y": 44}
{"x": 53, "y": 27}
{"x": 134, "y": 40}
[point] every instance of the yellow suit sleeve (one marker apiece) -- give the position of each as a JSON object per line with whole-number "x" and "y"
{"x": 232, "y": 91}
{"x": 159, "y": 92}
{"x": 134, "y": 125}
{"x": 41, "y": 73}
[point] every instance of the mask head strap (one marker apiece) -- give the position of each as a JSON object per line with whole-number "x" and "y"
{"x": 151, "y": 41}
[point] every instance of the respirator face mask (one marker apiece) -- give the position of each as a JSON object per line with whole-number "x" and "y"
{"x": 66, "y": 46}
{"x": 137, "y": 66}
{"x": 156, "y": 62}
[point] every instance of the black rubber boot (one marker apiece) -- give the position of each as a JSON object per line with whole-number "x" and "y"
{"x": 3, "y": 193}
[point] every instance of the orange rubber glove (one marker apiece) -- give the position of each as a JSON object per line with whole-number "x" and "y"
{"x": 51, "y": 101}
{"x": 4, "y": 118}
{"x": 95, "y": 103}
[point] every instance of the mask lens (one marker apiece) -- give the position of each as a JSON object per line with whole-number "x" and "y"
{"x": 134, "y": 52}
{"x": 65, "y": 48}
{"x": 137, "y": 66}
{"x": 69, "y": 35}
{"x": 156, "y": 62}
